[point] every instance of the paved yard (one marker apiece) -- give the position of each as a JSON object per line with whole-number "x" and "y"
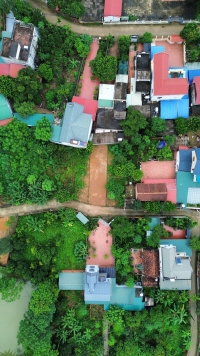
{"x": 88, "y": 85}
{"x": 158, "y": 169}
{"x": 101, "y": 242}
{"x": 175, "y": 52}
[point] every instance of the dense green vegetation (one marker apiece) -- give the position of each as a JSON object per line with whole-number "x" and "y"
{"x": 191, "y": 35}
{"x": 128, "y": 234}
{"x": 34, "y": 170}
{"x": 142, "y": 137}
{"x": 164, "y": 330}
{"x": 73, "y": 8}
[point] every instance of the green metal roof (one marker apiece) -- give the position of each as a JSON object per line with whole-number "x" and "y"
{"x": 32, "y": 119}
{"x": 124, "y": 297}
{"x": 154, "y": 222}
{"x": 56, "y": 133}
{"x": 76, "y": 125}
{"x": 71, "y": 281}
{"x": 123, "y": 67}
{"x": 184, "y": 180}
{"x": 82, "y": 218}
{"x": 5, "y": 109}
{"x": 182, "y": 245}
{"x": 7, "y": 34}
{"x": 103, "y": 103}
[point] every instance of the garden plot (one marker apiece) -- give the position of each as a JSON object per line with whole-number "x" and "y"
{"x": 159, "y": 9}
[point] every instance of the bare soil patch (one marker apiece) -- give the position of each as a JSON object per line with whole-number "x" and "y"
{"x": 98, "y": 175}
{"x": 4, "y": 232}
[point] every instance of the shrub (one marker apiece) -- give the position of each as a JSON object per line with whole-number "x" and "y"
{"x": 181, "y": 125}
{"x": 5, "y": 245}
{"x": 80, "y": 251}
{"x": 146, "y": 38}
{"x": 137, "y": 174}
{"x": 194, "y": 124}
{"x": 132, "y": 17}
{"x": 158, "y": 125}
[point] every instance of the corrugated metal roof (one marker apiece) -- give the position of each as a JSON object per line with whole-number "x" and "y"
{"x": 111, "y": 271}
{"x": 31, "y": 120}
{"x": 113, "y": 8}
{"x": 171, "y": 109}
{"x": 56, "y": 134}
{"x": 71, "y": 280}
{"x": 168, "y": 109}
{"x": 193, "y": 73}
{"x": 106, "y": 91}
{"x": 10, "y": 19}
{"x": 151, "y": 192}
{"x": 193, "y": 65}
{"x": 76, "y": 125}
{"x": 103, "y": 103}
{"x": 184, "y": 181}
{"x": 5, "y": 109}
{"x": 156, "y": 49}
{"x": 90, "y": 106}
{"x": 185, "y": 160}
{"x": 121, "y": 78}
{"x": 182, "y": 245}
{"x": 196, "y": 82}
{"x": 161, "y": 83}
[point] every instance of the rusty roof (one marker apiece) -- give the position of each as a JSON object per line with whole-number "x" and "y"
{"x": 150, "y": 268}
{"x": 151, "y": 192}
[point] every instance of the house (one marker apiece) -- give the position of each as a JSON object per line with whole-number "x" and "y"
{"x": 75, "y": 129}
{"x": 142, "y": 72}
{"x": 151, "y": 192}
{"x": 20, "y": 45}
{"x": 6, "y": 113}
{"x": 167, "y": 84}
{"x": 188, "y": 176}
{"x": 121, "y": 84}
{"x": 97, "y": 285}
{"x": 112, "y": 10}
{"x": 175, "y": 269}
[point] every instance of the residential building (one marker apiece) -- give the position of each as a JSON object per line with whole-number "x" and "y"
{"x": 20, "y": 45}
{"x": 112, "y": 10}
{"x": 76, "y": 127}
{"x": 167, "y": 84}
{"x": 151, "y": 192}
{"x": 175, "y": 269}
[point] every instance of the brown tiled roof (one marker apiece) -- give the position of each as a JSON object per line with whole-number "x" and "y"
{"x": 150, "y": 268}
{"x": 151, "y": 192}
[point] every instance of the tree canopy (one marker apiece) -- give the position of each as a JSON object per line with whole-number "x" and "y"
{"x": 104, "y": 67}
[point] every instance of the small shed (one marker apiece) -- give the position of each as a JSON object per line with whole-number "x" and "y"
{"x": 82, "y": 218}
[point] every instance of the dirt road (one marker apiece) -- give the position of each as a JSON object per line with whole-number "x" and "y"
{"x": 104, "y": 30}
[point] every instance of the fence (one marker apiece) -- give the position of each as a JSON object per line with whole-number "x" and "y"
{"x": 150, "y": 22}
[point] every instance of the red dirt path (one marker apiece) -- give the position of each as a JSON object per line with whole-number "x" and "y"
{"x": 88, "y": 85}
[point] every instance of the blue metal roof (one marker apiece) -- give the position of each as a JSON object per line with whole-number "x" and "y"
{"x": 183, "y": 108}
{"x": 185, "y": 160}
{"x": 168, "y": 109}
{"x": 156, "y": 49}
{"x": 171, "y": 109}
{"x": 193, "y": 73}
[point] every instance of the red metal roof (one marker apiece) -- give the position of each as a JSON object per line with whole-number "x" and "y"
{"x": 196, "y": 81}
{"x": 10, "y": 69}
{"x": 5, "y": 122}
{"x": 164, "y": 85}
{"x": 90, "y": 106}
{"x": 113, "y": 8}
